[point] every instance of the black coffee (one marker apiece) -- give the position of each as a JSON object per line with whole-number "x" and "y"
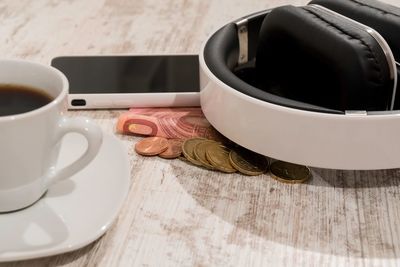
{"x": 16, "y": 99}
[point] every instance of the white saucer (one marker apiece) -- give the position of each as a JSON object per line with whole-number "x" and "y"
{"x": 74, "y": 212}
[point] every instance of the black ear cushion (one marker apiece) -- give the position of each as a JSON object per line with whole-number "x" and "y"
{"x": 382, "y": 17}
{"x": 311, "y": 56}
{"x": 221, "y": 55}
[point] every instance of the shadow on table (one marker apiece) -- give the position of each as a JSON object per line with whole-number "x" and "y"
{"x": 346, "y": 213}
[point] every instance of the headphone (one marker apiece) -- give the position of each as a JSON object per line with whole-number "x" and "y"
{"x": 314, "y": 85}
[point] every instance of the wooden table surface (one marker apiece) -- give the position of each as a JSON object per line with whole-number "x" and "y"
{"x": 179, "y": 215}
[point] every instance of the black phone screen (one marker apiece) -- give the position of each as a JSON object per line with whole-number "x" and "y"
{"x": 130, "y": 74}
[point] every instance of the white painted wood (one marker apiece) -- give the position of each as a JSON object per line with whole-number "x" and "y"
{"x": 179, "y": 215}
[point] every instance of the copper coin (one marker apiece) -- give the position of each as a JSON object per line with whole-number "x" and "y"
{"x": 151, "y": 146}
{"x": 174, "y": 149}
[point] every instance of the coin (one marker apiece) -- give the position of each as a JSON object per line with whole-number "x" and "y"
{"x": 174, "y": 149}
{"x": 188, "y": 149}
{"x": 200, "y": 153}
{"x": 248, "y": 162}
{"x": 151, "y": 146}
{"x": 218, "y": 156}
{"x": 289, "y": 172}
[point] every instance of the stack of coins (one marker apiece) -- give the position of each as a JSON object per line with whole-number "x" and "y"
{"x": 217, "y": 156}
{"x": 159, "y": 146}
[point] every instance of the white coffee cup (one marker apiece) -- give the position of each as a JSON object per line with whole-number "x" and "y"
{"x": 30, "y": 142}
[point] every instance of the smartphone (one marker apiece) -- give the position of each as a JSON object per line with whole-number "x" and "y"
{"x": 103, "y": 82}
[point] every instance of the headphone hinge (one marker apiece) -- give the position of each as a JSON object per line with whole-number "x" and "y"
{"x": 243, "y": 36}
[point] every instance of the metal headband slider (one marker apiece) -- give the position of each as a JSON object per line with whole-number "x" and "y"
{"x": 243, "y": 33}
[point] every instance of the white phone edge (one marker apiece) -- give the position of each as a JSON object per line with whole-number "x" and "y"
{"x": 122, "y": 101}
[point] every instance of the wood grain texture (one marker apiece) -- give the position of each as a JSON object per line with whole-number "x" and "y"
{"x": 180, "y": 215}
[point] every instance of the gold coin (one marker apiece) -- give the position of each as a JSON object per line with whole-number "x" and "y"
{"x": 218, "y": 156}
{"x": 188, "y": 149}
{"x": 248, "y": 162}
{"x": 200, "y": 153}
{"x": 289, "y": 172}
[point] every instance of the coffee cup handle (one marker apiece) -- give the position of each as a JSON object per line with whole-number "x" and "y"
{"x": 94, "y": 137}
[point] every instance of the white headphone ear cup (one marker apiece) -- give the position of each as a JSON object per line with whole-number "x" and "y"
{"x": 285, "y": 129}
{"x": 311, "y": 56}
